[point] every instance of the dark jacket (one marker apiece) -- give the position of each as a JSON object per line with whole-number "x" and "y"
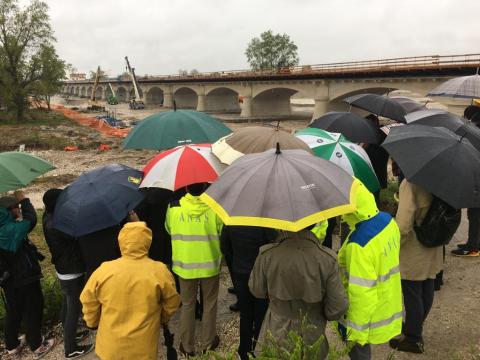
{"x": 99, "y": 247}
{"x": 20, "y": 255}
{"x": 240, "y": 245}
{"x": 379, "y": 159}
{"x": 65, "y": 250}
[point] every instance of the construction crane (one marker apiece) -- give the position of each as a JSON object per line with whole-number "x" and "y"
{"x": 93, "y": 103}
{"x": 137, "y": 102}
{"x": 112, "y": 99}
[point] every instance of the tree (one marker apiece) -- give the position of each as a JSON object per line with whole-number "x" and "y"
{"x": 23, "y": 33}
{"x": 271, "y": 52}
{"x": 93, "y": 73}
{"x": 52, "y": 75}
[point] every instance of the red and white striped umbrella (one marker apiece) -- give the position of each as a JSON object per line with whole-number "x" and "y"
{"x": 181, "y": 166}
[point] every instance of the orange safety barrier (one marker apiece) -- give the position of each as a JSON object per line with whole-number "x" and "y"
{"x": 92, "y": 122}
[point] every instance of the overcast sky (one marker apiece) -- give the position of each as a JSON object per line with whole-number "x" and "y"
{"x": 162, "y": 36}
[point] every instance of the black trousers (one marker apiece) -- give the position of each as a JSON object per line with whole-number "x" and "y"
{"x": 473, "y": 242}
{"x": 25, "y": 304}
{"x": 332, "y": 222}
{"x": 252, "y": 313}
{"x": 418, "y": 300}
{"x": 71, "y": 308}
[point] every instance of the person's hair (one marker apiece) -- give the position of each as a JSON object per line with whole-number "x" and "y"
{"x": 50, "y": 199}
{"x": 197, "y": 189}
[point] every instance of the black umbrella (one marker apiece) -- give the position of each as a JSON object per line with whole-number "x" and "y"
{"x": 445, "y": 164}
{"x": 435, "y": 117}
{"x": 169, "y": 337}
{"x": 379, "y": 105}
{"x": 410, "y": 105}
{"x": 352, "y": 126}
{"x": 98, "y": 199}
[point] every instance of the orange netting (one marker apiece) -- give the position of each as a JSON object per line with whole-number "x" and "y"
{"x": 90, "y": 121}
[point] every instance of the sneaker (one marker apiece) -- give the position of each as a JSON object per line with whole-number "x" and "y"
{"x": 184, "y": 353}
{"x": 82, "y": 335}
{"x": 11, "y": 354}
{"x": 80, "y": 350}
{"x": 407, "y": 345}
{"x": 44, "y": 348}
{"x": 462, "y": 246}
{"x": 465, "y": 253}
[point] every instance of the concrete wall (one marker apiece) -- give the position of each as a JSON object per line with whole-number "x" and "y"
{"x": 185, "y": 98}
{"x": 272, "y": 102}
{"x": 222, "y": 100}
{"x": 121, "y": 94}
{"x": 154, "y": 96}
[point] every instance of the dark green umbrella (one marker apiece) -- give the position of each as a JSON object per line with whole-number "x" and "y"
{"x": 169, "y": 129}
{"x": 18, "y": 169}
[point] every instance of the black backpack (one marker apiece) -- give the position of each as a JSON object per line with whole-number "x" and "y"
{"x": 439, "y": 225}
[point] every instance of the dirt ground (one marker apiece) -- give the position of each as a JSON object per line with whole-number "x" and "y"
{"x": 452, "y": 330}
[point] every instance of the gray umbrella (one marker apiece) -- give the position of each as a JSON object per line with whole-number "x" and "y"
{"x": 378, "y": 105}
{"x": 435, "y": 117}
{"x": 410, "y": 105}
{"x": 445, "y": 164}
{"x": 288, "y": 190}
{"x": 461, "y": 87}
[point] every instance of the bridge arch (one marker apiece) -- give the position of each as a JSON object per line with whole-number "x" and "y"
{"x": 77, "y": 91}
{"x": 222, "y": 99}
{"x": 273, "y": 102}
{"x": 121, "y": 94}
{"x": 83, "y": 91}
{"x": 107, "y": 93}
{"x": 99, "y": 93}
{"x": 185, "y": 98}
{"x": 89, "y": 92}
{"x": 155, "y": 96}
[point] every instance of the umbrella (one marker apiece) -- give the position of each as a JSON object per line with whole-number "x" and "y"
{"x": 460, "y": 87}
{"x": 379, "y": 105}
{"x": 184, "y": 165}
{"x": 445, "y": 164}
{"x": 435, "y": 117}
{"x": 254, "y": 139}
{"x": 18, "y": 169}
{"x": 97, "y": 200}
{"x": 288, "y": 190}
{"x": 169, "y": 129}
{"x": 352, "y": 126}
{"x": 349, "y": 156}
{"x": 409, "y": 105}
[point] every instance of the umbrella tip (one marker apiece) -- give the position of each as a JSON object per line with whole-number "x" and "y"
{"x": 278, "y": 149}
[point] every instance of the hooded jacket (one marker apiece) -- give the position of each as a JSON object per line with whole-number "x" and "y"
{"x": 195, "y": 231}
{"x": 129, "y": 298}
{"x": 19, "y": 254}
{"x": 369, "y": 260}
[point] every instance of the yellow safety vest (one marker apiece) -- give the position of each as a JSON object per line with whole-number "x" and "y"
{"x": 195, "y": 231}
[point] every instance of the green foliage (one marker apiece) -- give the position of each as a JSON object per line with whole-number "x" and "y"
{"x": 271, "y": 52}
{"x": 102, "y": 74}
{"x": 24, "y": 34}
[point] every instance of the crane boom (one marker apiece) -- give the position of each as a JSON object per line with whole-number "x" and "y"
{"x": 111, "y": 89}
{"x": 131, "y": 71}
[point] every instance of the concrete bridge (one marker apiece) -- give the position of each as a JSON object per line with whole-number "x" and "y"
{"x": 268, "y": 93}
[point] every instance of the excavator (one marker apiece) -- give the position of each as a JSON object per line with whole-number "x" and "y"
{"x": 93, "y": 104}
{"x": 112, "y": 99}
{"x": 137, "y": 101}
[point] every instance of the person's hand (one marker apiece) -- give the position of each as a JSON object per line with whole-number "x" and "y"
{"x": 132, "y": 216}
{"x": 19, "y": 195}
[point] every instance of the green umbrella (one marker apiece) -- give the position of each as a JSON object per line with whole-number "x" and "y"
{"x": 169, "y": 129}
{"x": 349, "y": 156}
{"x": 18, "y": 169}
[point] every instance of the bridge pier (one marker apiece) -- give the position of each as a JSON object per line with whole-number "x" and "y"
{"x": 246, "y": 107}
{"x": 201, "y": 102}
{"x": 168, "y": 100}
{"x": 321, "y": 107}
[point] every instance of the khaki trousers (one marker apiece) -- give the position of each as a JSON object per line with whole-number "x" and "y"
{"x": 188, "y": 294}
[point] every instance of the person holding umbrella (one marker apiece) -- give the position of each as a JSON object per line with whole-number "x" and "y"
{"x": 129, "y": 298}
{"x": 20, "y": 279}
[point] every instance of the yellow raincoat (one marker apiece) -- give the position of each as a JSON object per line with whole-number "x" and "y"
{"x": 128, "y": 299}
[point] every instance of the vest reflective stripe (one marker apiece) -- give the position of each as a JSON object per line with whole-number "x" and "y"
{"x": 357, "y": 280}
{"x": 194, "y": 266}
{"x": 373, "y": 325}
{"x": 195, "y": 237}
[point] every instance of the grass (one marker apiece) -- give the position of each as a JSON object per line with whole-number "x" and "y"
{"x": 37, "y": 117}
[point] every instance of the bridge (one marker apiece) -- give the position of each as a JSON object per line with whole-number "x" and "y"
{"x": 268, "y": 93}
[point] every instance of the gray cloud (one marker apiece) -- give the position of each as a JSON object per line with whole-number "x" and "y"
{"x": 163, "y": 36}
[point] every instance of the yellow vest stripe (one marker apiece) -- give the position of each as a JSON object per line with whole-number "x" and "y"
{"x": 372, "y": 325}
{"x": 183, "y": 237}
{"x": 193, "y": 266}
{"x": 357, "y": 280}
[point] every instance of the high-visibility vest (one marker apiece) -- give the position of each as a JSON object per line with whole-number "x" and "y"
{"x": 369, "y": 260}
{"x": 195, "y": 231}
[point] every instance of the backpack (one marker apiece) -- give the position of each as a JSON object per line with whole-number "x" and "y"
{"x": 439, "y": 225}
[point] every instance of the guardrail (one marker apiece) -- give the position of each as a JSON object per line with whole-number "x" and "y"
{"x": 430, "y": 62}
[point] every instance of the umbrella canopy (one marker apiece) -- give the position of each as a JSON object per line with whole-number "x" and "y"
{"x": 18, "y": 169}
{"x": 349, "y": 156}
{"x": 435, "y": 117}
{"x": 288, "y": 190}
{"x": 254, "y": 139}
{"x": 410, "y": 105}
{"x": 440, "y": 161}
{"x": 460, "y": 87}
{"x": 378, "y": 105}
{"x": 169, "y": 129}
{"x": 97, "y": 200}
{"x": 352, "y": 126}
{"x": 184, "y": 165}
